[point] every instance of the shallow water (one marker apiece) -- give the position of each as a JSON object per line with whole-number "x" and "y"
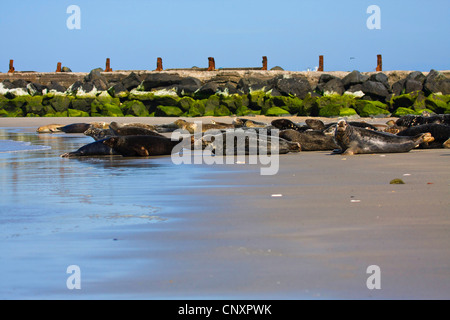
{"x": 54, "y": 194}
{"x": 44, "y": 198}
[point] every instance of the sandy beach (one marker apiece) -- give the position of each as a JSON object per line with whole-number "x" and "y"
{"x": 145, "y": 228}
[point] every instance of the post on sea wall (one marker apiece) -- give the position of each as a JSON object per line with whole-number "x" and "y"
{"x": 264, "y": 63}
{"x": 320, "y": 63}
{"x": 379, "y": 63}
{"x": 11, "y": 66}
{"x": 159, "y": 65}
{"x": 108, "y": 65}
{"x": 58, "y": 67}
{"x": 211, "y": 64}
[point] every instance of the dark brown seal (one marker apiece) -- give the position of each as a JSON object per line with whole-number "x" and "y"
{"x": 97, "y": 148}
{"x": 312, "y": 140}
{"x": 141, "y": 146}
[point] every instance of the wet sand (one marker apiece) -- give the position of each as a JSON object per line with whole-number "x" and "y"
{"x": 148, "y": 229}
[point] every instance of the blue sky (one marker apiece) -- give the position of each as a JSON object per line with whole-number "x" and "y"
{"x": 414, "y": 34}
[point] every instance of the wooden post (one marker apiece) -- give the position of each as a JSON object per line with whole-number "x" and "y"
{"x": 159, "y": 66}
{"x": 108, "y": 65}
{"x": 379, "y": 63}
{"x": 211, "y": 64}
{"x": 11, "y": 66}
{"x": 264, "y": 62}
{"x": 320, "y": 63}
{"x": 58, "y": 67}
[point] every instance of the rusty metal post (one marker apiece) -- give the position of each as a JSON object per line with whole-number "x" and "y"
{"x": 320, "y": 63}
{"x": 211, "y": 64}
{"x": 108, "y": 65}
{"x": 58, "y": 67}
{"x": 379, "y": 63}
{"x": 11, "y": 66}
{"x": 159, "y": 66}
{"x": 264, "y": 63}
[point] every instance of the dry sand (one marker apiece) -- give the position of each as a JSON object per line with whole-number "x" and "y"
{"x": 228, "y": 237}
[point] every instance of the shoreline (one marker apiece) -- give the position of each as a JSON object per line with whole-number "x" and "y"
{"x": 227, "y": 237}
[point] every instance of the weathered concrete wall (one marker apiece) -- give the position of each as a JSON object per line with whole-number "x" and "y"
{"x": 68, "y": 78}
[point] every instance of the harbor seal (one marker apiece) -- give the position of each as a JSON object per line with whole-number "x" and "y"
{"x": 446, "y": 144}
{"x": 97, "y": 148}
{"x": 75, "y": 128}
{"x": 50, "y": 128}
{"x": 99, "y": 134}
{"x": 115, "y": 125}
{"x": 311, "y": 140}
{"x": 284, "y": 124}
{"x": 440, "y": 133}
{"x": 416, "y": 120}
{"x": 135, "y": 131}
{"x": 248, "y": 143}
{"x": 242, "y": 122}
{"x": 355, "y": 140}
{"x": 141, "y": 146}
{"x": 191, "y": 127}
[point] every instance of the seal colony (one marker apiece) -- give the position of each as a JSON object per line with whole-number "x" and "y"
{"x": 281, "y": 136}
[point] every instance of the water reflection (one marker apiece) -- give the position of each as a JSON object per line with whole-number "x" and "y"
{"x": 40, "y": 192}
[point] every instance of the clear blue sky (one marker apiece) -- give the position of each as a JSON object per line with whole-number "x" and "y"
{"x": 414, "y": 35}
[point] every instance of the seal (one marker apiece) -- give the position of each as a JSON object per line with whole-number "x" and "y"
{"x": 75, "y": 128}
{"x": 248, "y": 143}
{"x": 284, "y": 124}
{"x": 135, "y": 131}
{"x": 440, "y": 133}
{"x": 114, "y": 125}
{"x": 223, "y": 124}
{"x": 355, "y": 140}
{"x": 50, "y": 128}
{"x": 446, "y": 144}
{"x": 311, "y": 140}
{"x": 416, "y": 120}
{"x": 97, "y": 148}
{"x": 242, "y": 122}
{"x": 99, "y": 134}
{"x": 141, "y": 146}
{"x": 191, "y": 127}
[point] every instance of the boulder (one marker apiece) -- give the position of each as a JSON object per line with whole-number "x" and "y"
{"x": 66, "y": 69}
{"x": 19, "y": 83}
{"x": 61, "y": 103}
{"x": 249, "y": 84}
{"x": 130, "y": 82}
{"x": 56, "y": 87}
{"x": 416, "y": 76}
{"x": 375, "y": 90}
{"x": 135, "y": 108}
{"x": 197, "y": 109}
{"x": 292, "y": 86}
{"x": 276, "y": 112}
{"x": 398, "y": 87}
{"x": 118, "y": 90}
{"x": 354, "y": 77}
{"x": 159, "y": 80}
{"x": 334, "y": 86}
{"x": 436, "y": 82}
{"x": 380, "y": 77}
{"x": 36, "y": 89}
{"x": 222, "y": 111}
{"x": 207, "y": 90}
{"x": 371, "y": 108}
{"x": 168, "y": 111}
{"x": 73, "y": 89}
{"x": 413, "y": 86}
{"x": 188, "y": 86}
